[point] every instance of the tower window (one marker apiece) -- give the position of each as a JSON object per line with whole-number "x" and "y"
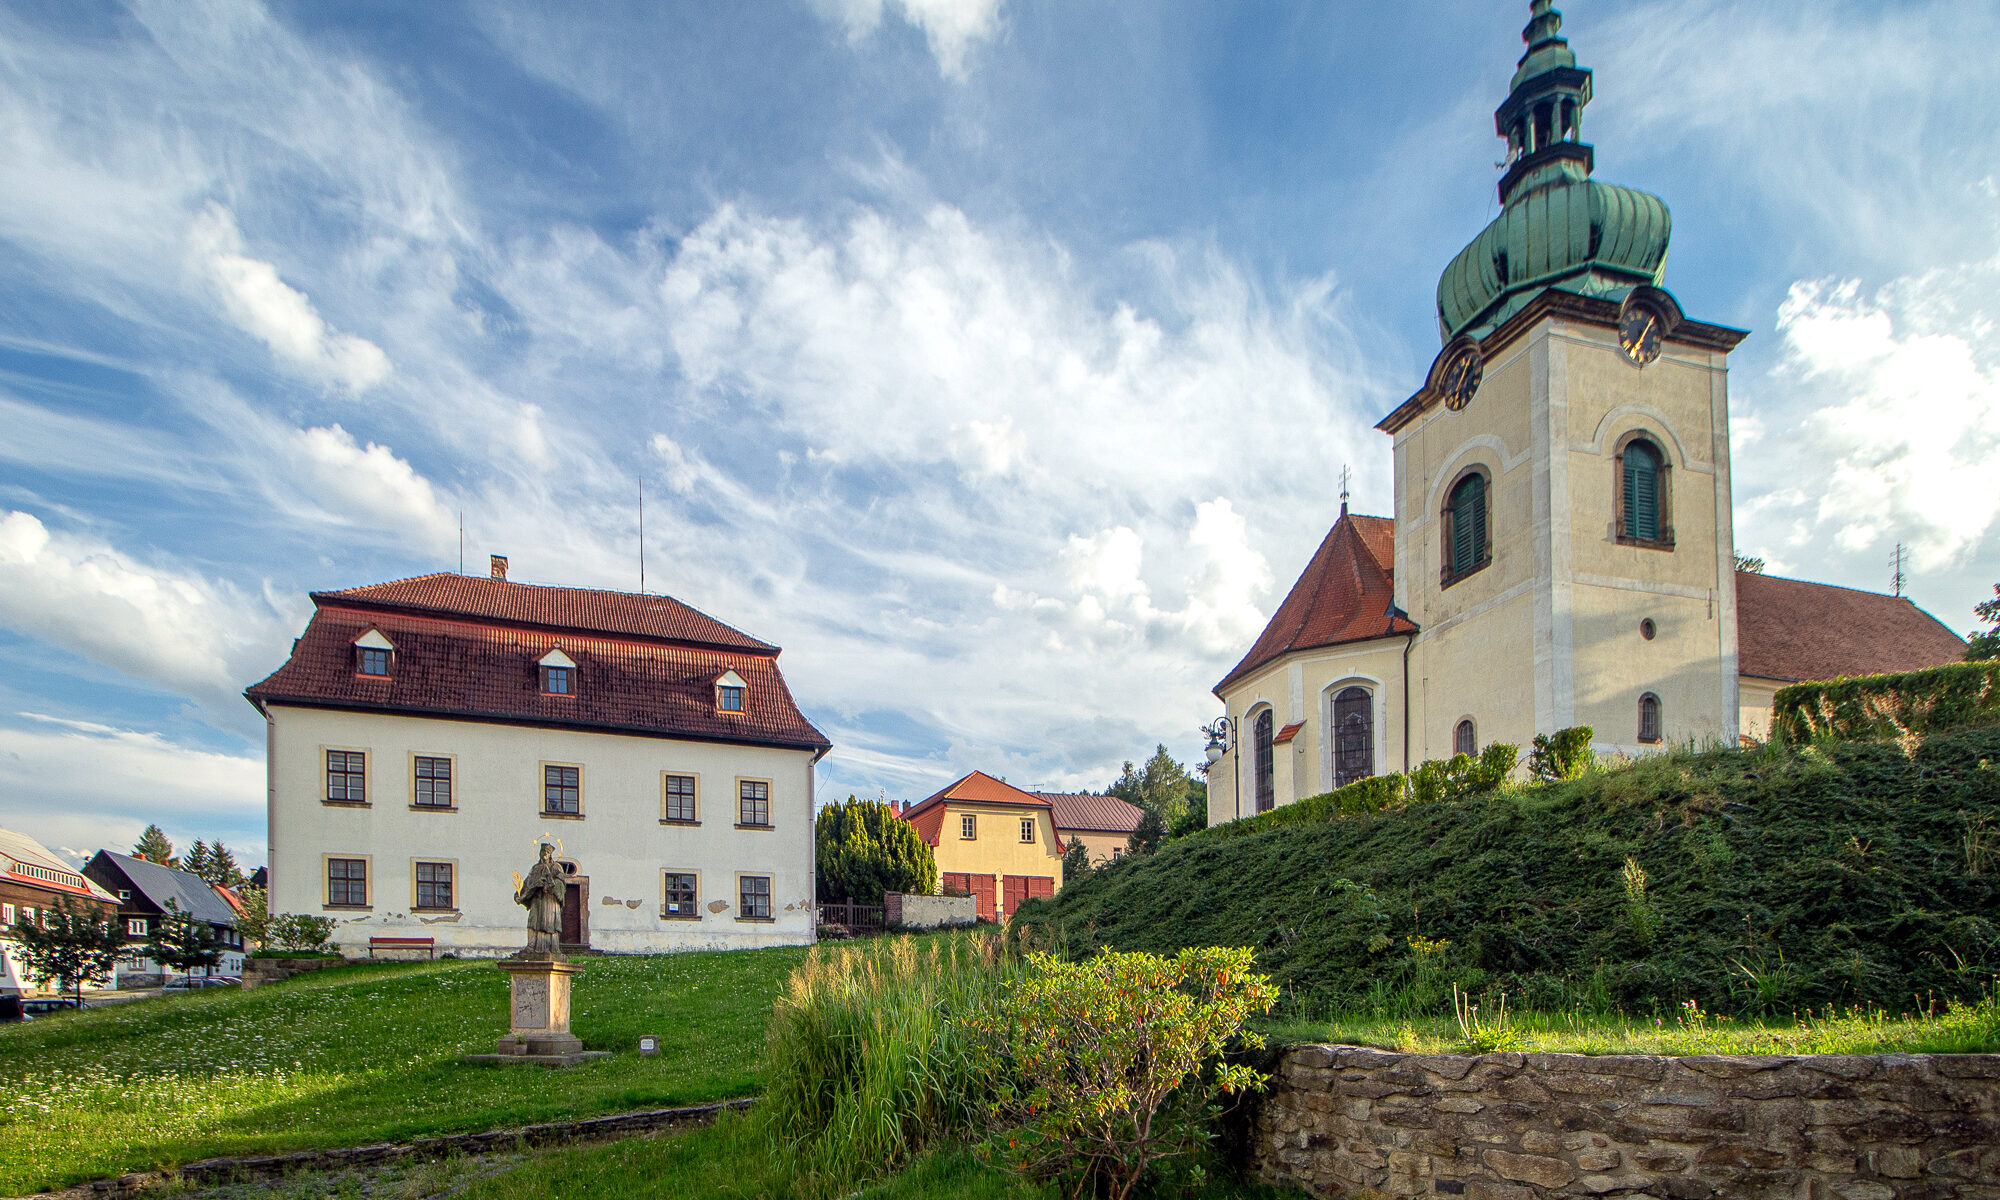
{"x": 1466, "y": 546}
{"x": 1649, "y": 718}
{"x": 1642, "y": 479}
{"x": 1266, "y": 785}
{"x": 1465, "y": 739}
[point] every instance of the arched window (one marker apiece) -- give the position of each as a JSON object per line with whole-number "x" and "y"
{"x": 1649, "y": 718}
{"x": 1465, "y": 739}
{"x": 1465, "y": 544}
{"x": 1260, "y": 737}
{"x": 1353, "y": 736}
{"x": 1642, "y": 471}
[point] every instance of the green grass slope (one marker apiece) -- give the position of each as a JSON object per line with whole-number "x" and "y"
{"x": 1774, "y": 880}
{"x": 363, "y": 1054}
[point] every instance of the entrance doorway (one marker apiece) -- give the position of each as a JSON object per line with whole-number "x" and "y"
{"x": 575, "y": 910}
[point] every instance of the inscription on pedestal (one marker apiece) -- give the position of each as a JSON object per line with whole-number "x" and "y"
{"x": 531, "y": 1003}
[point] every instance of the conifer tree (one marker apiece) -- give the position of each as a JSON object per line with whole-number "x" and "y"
{"x": 198, "y": 860}
{"x": 153, "y": 846}
{"x": 865, "y": 848}
{"x": 1076, "y": 860}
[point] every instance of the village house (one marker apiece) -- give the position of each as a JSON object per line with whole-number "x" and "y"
{"x": 428, "y": 735}
{"x": 1562, "y": 551}
{"x": 34, "y": 882}
{"x": 144, "y": 889}
{"x": 1001, "y": 845}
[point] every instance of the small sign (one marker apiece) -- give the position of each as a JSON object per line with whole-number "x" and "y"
{"x": 648, "y": 1044}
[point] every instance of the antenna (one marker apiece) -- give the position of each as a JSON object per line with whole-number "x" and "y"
{"x": 1345, "y": 477}
{"x": 642, "y": 537}
{"x": 1897, "y": 579}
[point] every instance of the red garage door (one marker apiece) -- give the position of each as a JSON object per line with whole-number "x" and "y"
{"x": 1021, "y": 887}
{"x": 979, "y": 887}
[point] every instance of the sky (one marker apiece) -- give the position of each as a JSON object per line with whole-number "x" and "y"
{"x": 997, "y": 358}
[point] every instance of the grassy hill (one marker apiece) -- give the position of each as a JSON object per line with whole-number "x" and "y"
{"x": 1749, "y": 880}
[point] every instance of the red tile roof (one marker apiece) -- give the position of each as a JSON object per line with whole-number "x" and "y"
{"x": 1088, "y": 812}
{"x": 480, "y": 663}
{"x": 1288, "y": 733}
{"x": 1343, "y": 595}
{"x": 928, "y": 814}
{"x": 568, "y": 609}
{"x": 1792, "y": 630}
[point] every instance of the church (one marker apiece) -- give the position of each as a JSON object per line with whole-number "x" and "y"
{"x": 1561, "y": 551}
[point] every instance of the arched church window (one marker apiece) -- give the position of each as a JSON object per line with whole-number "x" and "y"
{"x": 1466, "y": 548}
{"x": 1642, "y": 471}
{"x": 1353, "y": 736}
{"x": 1465, "y": 739}
{"x": 1649, "y": 718}
{"x": 1260, "y": 737}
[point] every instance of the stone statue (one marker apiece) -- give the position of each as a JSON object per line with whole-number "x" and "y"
{"x": 542, "y": 893}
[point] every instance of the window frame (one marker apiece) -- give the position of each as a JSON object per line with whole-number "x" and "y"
{"x": 1659, "y": 716}
{"x": 367, "y": 862}
{"x": 1028, "y": 831}
{"x": 694, "y": 895}
{"x": 1469, "y": 743}
{"x": 724, "y": 692}
{"x": 135, "y": 927}
{"x": 361, "y": 658}
{"x": 693, "y": 798}
{"x": 770, "y": 915}
{"x": 1264, "y": 758}
{"x": 743, "y": 781}
{"x": 1663, "y": 498}
{"x": 417, "y": 782}
{"x": 417, "y": 884}
{"x": 968, "y": 827}
{"x": 547, "y": 765}
{"x": 326, "y": 754}
{"x": 1369, "y": 697}
{"x": 1449, "y": 572}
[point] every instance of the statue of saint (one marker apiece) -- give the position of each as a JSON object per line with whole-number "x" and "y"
{"x": 542, "y": 893}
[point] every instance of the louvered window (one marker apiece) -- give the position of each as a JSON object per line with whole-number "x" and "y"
{"x": 1642, "y": 477}
{"x": 1466, "y": 547}
{"x": 1266, "y": 787}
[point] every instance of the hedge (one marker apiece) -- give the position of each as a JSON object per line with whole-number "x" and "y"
{"x": 1905, "y": 708}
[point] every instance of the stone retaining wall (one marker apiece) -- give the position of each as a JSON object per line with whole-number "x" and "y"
{"x": 1342, "y": 1121}
{"x": 916, "y": 911}
{"x": 257, "y": 971}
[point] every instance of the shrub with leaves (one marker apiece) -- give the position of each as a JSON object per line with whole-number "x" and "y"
{"x": 300, "y": 933}
{"x": 1906, "y": 707}
{"x": 1088, "y": 1056}
{"x": 1564, "y": 754}
{"x": 182, "y": 941}
{"x": 69, "y": 946}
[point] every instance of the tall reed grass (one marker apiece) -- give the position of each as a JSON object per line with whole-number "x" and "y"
{"x": 865, "y": 1063}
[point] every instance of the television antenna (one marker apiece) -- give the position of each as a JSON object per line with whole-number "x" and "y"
{"x": 1897, "y": 579}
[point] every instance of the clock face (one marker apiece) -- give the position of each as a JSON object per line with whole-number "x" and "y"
{"x": 1461, "y": 378}
{"x": 1639, "y": 334}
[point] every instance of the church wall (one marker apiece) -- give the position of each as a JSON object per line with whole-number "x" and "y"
{"x": 1478, "y": 668}
{"x": 1757, "y": 696}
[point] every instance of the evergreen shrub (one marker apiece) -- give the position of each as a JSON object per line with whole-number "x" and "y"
{"x": 1907, "y": 707}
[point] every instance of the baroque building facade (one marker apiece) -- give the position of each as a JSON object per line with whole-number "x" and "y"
{"x": 1561, "y": 552}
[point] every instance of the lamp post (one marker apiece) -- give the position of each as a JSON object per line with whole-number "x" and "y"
{"x": 1221, "y": 740}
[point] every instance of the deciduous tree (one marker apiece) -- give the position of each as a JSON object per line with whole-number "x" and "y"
{"x": 1985, "y": 643}
{"x": 70, "y": 945}
{"x": 1162, "y": 786}
{"x": 183, "y": 941}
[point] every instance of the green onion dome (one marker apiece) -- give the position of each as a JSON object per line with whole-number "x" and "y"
{"x": 1559, "y": 227}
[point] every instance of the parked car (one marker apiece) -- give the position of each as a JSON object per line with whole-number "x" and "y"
{"x": 194, "y": 982}
{"x": 45, "y": 1005}
{"x": 11, "y": 1009}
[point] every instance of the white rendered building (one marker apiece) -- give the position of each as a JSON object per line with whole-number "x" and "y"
{"x": 428, "y": 735}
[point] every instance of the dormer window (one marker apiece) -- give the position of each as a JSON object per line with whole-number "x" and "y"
{"x": 372, "y": 653}
{"x": 558, "y": 674}
{"x": 729, "y": 691}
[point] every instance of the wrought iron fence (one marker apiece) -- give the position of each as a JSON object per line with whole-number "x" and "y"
{"x": 852, "y": 918}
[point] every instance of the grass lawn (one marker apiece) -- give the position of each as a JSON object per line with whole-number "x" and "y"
{"x": 1967, "y": 1029}
{"x": 362, "y": 1054}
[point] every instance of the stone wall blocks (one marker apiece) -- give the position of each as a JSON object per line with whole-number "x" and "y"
{"x": 1680, "y": 1099}
{"x": 1599, "y": 1184}
{"x": 1843, "y": 1066}
{"x": 1539, "y": 1141}
{"x": 1972, "y": 1163}
{"x": 1448, "y": 1066}
{"x": 1599, "y": 1160}
{"x": 1311, "y": 1056}
{"x": 1582, "y": 1085}
{"x": 1660, "y": 1162}
{"x": 1736, "y": 1066}
{"x": 1523, "y": 1088}
{"x": 1459, "y": 1104}
{"x": 1741, "y": 1158}
{"x": 1864, "y": 1189}
{"x": 1376, "y": 1090}
{"x": 1968, "y": 1066}
{"x": 1487, "y": 1189}
{"x": 1406, "y": 1118}
{"x": 1529, "y": 1168}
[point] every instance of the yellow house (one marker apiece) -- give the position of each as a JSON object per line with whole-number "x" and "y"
{"x": 993, "y": 840}
{"x": 1561, "y": 552}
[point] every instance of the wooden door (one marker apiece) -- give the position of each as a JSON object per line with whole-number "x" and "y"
{"x": 1014, "y": 889}
{"x": 1041, "y": 887}
{"x": 982, "y": 894}
{"x": 572, "y": 915}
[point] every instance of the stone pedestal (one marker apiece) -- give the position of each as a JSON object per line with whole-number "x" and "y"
{"x": 538, "y": 1015}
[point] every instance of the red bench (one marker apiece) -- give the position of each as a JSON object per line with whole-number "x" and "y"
{"x": 427, "y": 945}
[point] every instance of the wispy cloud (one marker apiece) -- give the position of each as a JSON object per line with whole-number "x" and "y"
{"x": 951, "y": 27}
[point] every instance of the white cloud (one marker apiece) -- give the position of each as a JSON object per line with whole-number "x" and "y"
{"x": 949, "y": 26}
{"x": 166, "y": 626}
{"x": 83, "y": 784}
{"x": 1909, "y": 411}
{"x": 372, "y": 486}
{"x": 266, "y": 307}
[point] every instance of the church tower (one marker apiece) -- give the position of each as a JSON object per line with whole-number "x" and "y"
{"x": 1563, "y": 537}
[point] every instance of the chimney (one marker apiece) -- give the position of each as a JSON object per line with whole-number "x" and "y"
{"x": 499, "y": 566}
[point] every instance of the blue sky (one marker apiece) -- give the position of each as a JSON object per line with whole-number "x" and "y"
{"x": 996, "y": 357}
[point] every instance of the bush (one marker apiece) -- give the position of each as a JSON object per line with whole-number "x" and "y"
{"x": 1905, "y": 708}
{"x": 1432, "y": 781}
{"x": 865, "y": 849}
{"x": 1564, "y": 754}
{"x": 300, "y": 934}
{"x": 1085, "y": 1056}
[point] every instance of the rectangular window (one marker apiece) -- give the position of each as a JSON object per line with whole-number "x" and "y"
{"x": 433, "y": 782}
{"x": 1027, "y": 829}
{"x": 729, "y": 699}
{"x": 124, "y": 895}
{"x": 347, "y": 882}
{"x": 756, "y": 897}
{"x": 346, "y": 777}
{"x": 558, "y": 681}
{"x": 968, "y": 827}
{"x": 433, "y": 885}
{"x": 562, "y": 790}
{"x": 678, "y": 791}
{"x": 6, "y": 914}
{"x": 135, "y": 927}
{"x": 374, "y": 661}
{"x": 678, "y": 899}
{"x": 754, "y": 800}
